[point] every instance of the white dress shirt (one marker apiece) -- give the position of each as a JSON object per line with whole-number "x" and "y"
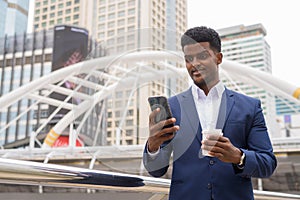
{"x": 208, "y": 106}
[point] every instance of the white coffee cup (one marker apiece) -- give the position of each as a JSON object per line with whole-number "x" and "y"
{"x": 206, "y": 133}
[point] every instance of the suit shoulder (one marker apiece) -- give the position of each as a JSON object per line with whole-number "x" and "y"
{"x": 179, "y": 97}
{"x": 243, "y": 97}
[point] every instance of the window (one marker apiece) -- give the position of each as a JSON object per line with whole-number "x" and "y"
{"x": 118, "y": 104}
{"x": 76, "y": 16}
{"x": 121, "y": 5}
{"x": 131, "y": 20}
{"x": 101, "y": 35}
{"x": 131, "y": 3}
{"x": 121, "y": 13}
{"x": 68, "y": 19}
{"x": 101, "y": 26}
{"x": 102, "y": 10}
{"x": 130, "y": 28}
{"x": 130, "y": 112}
{"x": 111, "y": 16}
{"x": 108, "y": 133}
{"x": 129, "y": 132}
{"x": 121, "y": 22}
{"x": 111, "y": 24}
{"x": 121, "y": 30}
{"x": 120, "y": 39}
{"x": 111, "y": 33}
{"x": 102, "y": 18}
{"x": 131, "y": 11}
{"x": 111, "y": 8}
{"x": 129, "y": 122}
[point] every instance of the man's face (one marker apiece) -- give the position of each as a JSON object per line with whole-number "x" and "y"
{"x": 202, "y": 64}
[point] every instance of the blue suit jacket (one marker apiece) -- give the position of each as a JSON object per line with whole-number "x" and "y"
{"x": 197, "y": 177}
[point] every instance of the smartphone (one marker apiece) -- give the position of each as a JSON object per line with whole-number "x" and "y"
{"x": 165, "y": 111}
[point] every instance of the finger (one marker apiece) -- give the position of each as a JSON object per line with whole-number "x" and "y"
{"x": 215, "y": 154}
{"x": 160, "y": 125}
{"x": 168, "y": 131}
{"x": 153, "y": 115}
{"x": 209, "y": 143}
{"x": 214, "y": 137}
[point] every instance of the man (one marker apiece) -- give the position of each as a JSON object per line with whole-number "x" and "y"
{"x": 244, "y": 150}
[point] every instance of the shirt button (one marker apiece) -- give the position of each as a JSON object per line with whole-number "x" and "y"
{"x": 211, "y": 162}
{"x": 209, "y": 186}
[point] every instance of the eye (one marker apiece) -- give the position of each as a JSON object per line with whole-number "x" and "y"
{"x": 189, "y": 58}
{"x": 203, "y": 55}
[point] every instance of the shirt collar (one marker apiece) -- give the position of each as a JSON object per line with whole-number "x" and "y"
{"x": 217, "y": 90}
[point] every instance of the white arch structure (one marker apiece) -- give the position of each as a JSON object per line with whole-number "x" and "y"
{"x": 112, "y": 75}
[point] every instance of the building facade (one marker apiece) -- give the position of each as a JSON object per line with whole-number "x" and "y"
{"x": 13, "y": 17}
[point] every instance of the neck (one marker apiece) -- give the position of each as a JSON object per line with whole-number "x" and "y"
{"x": 206, "y": 87}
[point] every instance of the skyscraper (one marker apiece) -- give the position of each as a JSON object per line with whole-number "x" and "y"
{"x": 13, "y": 17}
{"x": 124, "y": 26}
{"x": 247, "y": 45}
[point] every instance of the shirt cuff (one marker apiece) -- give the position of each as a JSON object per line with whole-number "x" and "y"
{"x": 152, "y": 154}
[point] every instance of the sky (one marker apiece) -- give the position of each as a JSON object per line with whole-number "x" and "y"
{"x": 280, "y": 19}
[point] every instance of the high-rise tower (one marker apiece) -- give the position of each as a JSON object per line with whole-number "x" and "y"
{"x": 247, "y": 45}
{"x": 13, "y": 17}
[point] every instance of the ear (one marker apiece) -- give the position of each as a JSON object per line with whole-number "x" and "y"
{"x": 219, "y": 58}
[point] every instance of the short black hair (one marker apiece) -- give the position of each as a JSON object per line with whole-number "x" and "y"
{"x": 201, "y": 34}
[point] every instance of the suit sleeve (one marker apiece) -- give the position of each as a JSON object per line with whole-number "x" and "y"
{"x": 157, "y": 166}
{"x": 260, "y": 160}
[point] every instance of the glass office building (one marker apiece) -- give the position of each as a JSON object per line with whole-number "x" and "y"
{"x": 13, "y": 17}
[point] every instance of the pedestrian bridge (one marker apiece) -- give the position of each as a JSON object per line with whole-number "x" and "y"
{"x": 104, "y": 76}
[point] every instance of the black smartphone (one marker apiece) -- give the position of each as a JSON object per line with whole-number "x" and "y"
{"x": 165, "y": 111}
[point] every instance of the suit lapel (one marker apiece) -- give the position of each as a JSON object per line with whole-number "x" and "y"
{"x": 191, "y": 116}
{"x": 228, "y": 100}
{"x": 190, "y": 113}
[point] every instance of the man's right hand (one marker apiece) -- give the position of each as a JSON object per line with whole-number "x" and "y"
{"x": 157, "y": 134}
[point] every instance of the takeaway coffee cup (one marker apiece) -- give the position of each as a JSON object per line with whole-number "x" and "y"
{"x": 205, "y": 133}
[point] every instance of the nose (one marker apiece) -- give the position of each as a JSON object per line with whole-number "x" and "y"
{"x": 195, "y": 61}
